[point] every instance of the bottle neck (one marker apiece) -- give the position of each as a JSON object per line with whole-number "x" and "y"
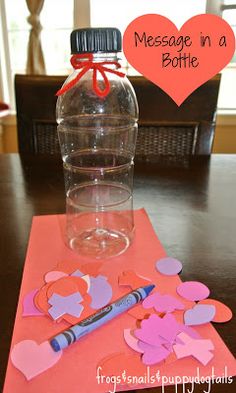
{"x": 97, "y": 66}
{"x": 100, "y": 57}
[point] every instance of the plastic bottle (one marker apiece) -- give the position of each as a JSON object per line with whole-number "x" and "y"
{"x": 97, "y": 115}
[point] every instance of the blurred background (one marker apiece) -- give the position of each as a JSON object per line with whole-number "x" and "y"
{"x": 35, "y": 39}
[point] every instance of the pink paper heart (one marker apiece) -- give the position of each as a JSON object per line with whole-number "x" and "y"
{"x": 32, "y": 359}
{"x": 54, "y": 275}
{"x": 178, "y": 78}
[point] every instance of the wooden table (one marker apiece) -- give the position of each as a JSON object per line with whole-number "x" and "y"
{"x": 192, "y": 208}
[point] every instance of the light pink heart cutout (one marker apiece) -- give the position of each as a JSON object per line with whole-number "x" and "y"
{"x": 171, "y": 74}
{"x": 54, "y": 275}
{"x": 32, "y": 359}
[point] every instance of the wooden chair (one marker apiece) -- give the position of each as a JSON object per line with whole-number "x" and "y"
{"x": 164, "y": 128}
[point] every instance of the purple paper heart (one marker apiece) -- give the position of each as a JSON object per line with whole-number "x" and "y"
{"x": 199, "y": 314}
{"x": 29, "y": 308}
{"x": 100, "y": 291}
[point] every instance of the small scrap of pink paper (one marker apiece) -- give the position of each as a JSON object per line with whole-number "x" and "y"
{"x": 77, "y": 368}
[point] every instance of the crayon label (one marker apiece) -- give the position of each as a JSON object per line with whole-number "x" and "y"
{"x": 96, "y": 317}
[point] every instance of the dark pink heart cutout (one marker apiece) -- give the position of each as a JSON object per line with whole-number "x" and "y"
{"x": 178, "y": 82}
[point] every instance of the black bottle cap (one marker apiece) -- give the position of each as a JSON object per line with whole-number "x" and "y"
{"x": 93, "y": 40}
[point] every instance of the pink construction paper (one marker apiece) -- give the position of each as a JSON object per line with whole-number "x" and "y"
{"x": 163, "y": 303}
{"x": 77, "y": 368}
{"x": 33, "y": 359}
{"x": 199, "y": 349}
{"x": 29, "y": 308}
{"x": 199, "y": 314}
{"x": 193, "y": 290}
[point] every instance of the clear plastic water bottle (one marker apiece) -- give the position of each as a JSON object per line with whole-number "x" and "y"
{"x": 97, "y": 115}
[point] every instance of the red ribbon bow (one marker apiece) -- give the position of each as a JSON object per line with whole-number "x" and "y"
{"x": 85, "y": 66}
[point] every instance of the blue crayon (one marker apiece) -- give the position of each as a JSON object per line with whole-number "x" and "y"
{"x": 74, "y": 333}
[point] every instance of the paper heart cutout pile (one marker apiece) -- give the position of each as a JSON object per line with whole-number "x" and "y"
{"x": 178, "y": 82}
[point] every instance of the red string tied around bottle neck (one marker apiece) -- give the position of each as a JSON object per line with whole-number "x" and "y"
{"x": 85, "y": 66}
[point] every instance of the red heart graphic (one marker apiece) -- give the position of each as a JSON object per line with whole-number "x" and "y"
{"x": 176, "y": 60}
